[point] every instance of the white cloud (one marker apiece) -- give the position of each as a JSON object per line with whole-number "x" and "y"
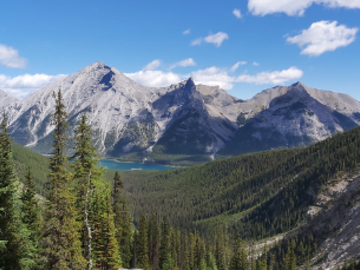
{"x": 236, "y": 66}
{"x": 197, "y": 41}
{"x": 237, "y": 13}
{"x": 9, "y": 57}
{"x": 217, "y": 38}
{"x": 154, "y": 78}
{"x": 274, "y": 77}
{"x": 186, "y": 32}
{"x": 213, "y": 76}
{"x": 23, "y": 85}
{"x": 295, "y": 7}
{"x": 184, "y": 63}
{"x": 256, "y": 64}
{"x": 322, "y": 37}
{"x": 152, "y": 65}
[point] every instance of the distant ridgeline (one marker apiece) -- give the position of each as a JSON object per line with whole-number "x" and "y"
{"x": 182, "y": 124}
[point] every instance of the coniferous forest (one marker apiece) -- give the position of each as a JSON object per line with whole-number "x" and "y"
{"x": 78, "y": 219}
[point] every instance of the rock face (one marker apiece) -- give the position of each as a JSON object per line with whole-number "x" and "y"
{"x": 337, "y": 221}
{"x": 129, "y": 118}
{"x": 6, "y": 100}
{"x": 132, "y": 121}
{"x": 291, "y": 117}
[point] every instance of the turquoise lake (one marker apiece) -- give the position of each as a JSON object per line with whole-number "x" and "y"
{"x": 113, "y": 165}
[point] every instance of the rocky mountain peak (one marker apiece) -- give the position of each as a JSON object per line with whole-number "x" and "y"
{"x": 190, "y": 82}
{"x": 6, "y": 99}
{"x": 298, "y": 84}
{"x": 98, "y": 64}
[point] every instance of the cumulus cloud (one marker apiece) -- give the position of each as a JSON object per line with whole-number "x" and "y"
{"x": 23, "y": 85}
{"x": 154, "y": 78}
{"x": 274, "y": 77}
{"x": 322, "y": 37}
{"x": 184, "y": 63}
{"x": 295, "y": 7}
{"x": 213, "y": 76}
{"x": 236, "y": 66}
{"x": 256, "y": 64}
{"x": 186, "y": 32}
{"x": 9, "y": 57}
{"x": 152, "y": 65}
{"x": 237, "y": 13}
{"x": 217, "y": 38}
{"x": 219, "y": 77}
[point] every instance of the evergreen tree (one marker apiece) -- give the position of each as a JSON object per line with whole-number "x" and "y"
{"x": 239, "y": 260}
{"x": 164, "y": 252}
{"x": 9, "y": 248}
{"x": 212, "y": 263}
{"x": 290, "y": 257}
{"x": 221, "y": 255}
{"x": 142, "y": 244}
{"x": 123, "y": 221}
{"x": 30, "y": 214}
{"x": 94, "y": 203}
{"x": 154, "y": 239}
{"x": 62, "y": 246}
{"x": 86, "y": 172}
{"x": 30, "y": 207}
{"x": 106, "y": 255}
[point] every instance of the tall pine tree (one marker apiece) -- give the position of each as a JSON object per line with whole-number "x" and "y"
{"x": 123, "y": 221}
{"x": 96, "y": 217}
{"x": 9, "y": 255}
{"x": 62, "y": 246}
{"x": 30, "y": 215}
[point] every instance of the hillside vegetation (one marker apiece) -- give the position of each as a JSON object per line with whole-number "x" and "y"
{"x": 25, "y": 158}
{"x": 260, "y": 194}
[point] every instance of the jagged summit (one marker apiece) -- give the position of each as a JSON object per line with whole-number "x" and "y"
{"x": 6, "y": 99}
{"x": 298, "y": 84}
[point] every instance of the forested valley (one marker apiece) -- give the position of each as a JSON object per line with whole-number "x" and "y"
{"x": 57, "y": 214}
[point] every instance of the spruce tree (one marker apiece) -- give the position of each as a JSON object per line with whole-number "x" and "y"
{"x": 290, "y": 257}
{"x": 96, "y": 218}
{"x": 164, "y": 251}
{"x": 106, "y": 255}
{"x": 30, "y": 207}
{"x": 9, "y": 248}
{"x": 62, "y": 246}
{"x": 30, "y": 215}
{"x": 86, "y": 173}
{"x": 123, "y": 221}
{"x": 154, "y": 239}
{"x": 239, "y": 259}
{"x": 142, "y": 245}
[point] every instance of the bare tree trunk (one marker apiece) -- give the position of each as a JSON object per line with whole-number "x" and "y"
{"x": 90, "y": 264}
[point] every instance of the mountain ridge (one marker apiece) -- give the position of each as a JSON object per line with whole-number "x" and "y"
{"x": 184, "y": 121}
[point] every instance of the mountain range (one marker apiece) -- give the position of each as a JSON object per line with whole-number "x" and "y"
{"x": 181, "y": 123}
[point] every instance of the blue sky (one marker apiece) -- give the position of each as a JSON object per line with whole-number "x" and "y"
{"x": 243, "y": 46}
